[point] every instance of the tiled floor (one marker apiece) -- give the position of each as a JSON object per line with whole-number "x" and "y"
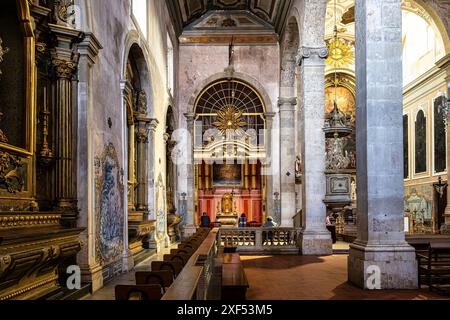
{"x": 291, "y": 278}
{"x": 312, "y": 278}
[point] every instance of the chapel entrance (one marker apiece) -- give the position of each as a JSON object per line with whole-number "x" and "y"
{"x": 230, "y": 153}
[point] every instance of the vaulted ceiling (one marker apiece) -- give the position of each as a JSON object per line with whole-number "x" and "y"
{"x": 184, "y": 12}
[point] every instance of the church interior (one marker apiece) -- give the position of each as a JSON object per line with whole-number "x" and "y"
{"x": 191, "y": 149}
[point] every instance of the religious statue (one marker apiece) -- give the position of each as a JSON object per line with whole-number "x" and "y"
{"x": 298, "y": 167}
{"x": 142, "y": 102}
{"x": 227, "y": 216}
{"x": 227, "y": 204}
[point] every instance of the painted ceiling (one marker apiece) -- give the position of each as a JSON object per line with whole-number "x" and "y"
{"x": 272, "y": 12}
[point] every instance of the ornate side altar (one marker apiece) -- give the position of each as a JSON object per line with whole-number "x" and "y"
{"x": 227, "y": 214}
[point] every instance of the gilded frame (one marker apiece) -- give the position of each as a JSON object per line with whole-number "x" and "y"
{"x": 24, "y": 17}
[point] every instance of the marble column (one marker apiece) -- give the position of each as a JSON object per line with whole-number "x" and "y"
{"x": 380, "y": 258}
{"x": 287, "y": 163}
{"x": 190, "y": 227}
{"x": 91, "y": 270}
{"x": 65, "y": 62}
{"x": 268, "y": 166}
{"x": 445, "y": 65}
{"x": 315, "y": 238}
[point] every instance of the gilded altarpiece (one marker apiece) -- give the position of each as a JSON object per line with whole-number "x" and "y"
{"x": 37, "y": 240}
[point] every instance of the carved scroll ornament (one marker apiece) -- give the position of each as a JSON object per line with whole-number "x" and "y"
{"x": 9, "y": 174}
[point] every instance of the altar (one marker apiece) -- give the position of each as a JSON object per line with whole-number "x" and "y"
{"x": 227, "y": 214}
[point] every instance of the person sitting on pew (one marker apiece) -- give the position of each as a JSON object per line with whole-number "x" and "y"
{"x": 242, "y": 221}
{"x": 268, "y": 236}
{"x": 205, "y": 221}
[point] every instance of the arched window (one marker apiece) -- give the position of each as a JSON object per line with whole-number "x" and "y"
{"x": 216, "y": 101}
{"x": 421, "y": 143}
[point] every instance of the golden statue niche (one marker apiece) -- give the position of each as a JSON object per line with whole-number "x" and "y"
{"x": 226, "y": 211}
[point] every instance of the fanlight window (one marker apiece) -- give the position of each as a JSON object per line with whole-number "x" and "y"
{"x": 230, "y": 104}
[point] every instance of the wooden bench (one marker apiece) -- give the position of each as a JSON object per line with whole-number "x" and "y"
{"x": 161, "y": 278}
{"x": 138, "y": 292}
{"x": 234, "y": 280}
{"x": 434, "y": 267}
{"x": 183, "y": 258}
{"x": 173, "y": 266}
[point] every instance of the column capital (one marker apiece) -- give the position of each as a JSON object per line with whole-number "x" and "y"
{"x": 190, "y": 116}
{"x": 64, "y": 69}
{"x": 142, "y": 134}
{"x": 287, "y": 104}
{"x": 90, "y": 47}
{"x": 154, "y": 125}
{"x": 304, "y": 52}
{"x": 270, "y": 115}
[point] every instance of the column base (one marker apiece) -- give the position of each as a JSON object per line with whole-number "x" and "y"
{"x": 189, "y": 230}
{"x": 395, "y": 263}
{"x": 316, "y": 243}
{"x": 94, "y": 276}
{"x": 127, "y": 261}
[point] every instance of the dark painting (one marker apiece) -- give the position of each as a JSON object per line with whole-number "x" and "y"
{"x": 421, "y": 143}
{"x": 227, "y": 175}
{"x": 440, "y": 163}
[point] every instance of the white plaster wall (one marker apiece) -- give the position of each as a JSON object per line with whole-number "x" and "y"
{"x": 111, "y": 22}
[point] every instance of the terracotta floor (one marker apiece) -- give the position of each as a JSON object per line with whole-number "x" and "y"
{"x": 312, "y": 278}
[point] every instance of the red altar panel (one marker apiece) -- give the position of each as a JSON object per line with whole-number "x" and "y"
{"x": 246, "y": 202}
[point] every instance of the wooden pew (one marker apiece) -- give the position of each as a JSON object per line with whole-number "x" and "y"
{"x": 183, "y": 258}
{"x": 174, "y": 266}
{"x": 161, "y": 278}
{"x": 434, "y": 267}
{"x": 138, "y": 292}
{"x": 234, "y": 280}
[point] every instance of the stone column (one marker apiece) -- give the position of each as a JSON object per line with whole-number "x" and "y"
{"x": 315, "y": 239}
{"x": 380, "y": 258}
{"x": 65, "y": 62}
{"x": 268, "y": 166}
{"x": 190, "y": 227}
{"x": 445, "y": 64}
{"x": 126, "y": 134}
{"x": 151, "y": 168}
{"x": 91, "y": 270}
{"x": 142, "y": 139}
{"x": 287, "y": 154}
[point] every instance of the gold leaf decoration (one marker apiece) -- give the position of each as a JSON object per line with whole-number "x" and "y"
{"x": 229, "y": 120}
{"x": 341, "y": 54}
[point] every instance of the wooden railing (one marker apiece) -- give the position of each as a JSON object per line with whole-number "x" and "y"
{"x": 261, "y": 240}
{"x": 193, "y": 282}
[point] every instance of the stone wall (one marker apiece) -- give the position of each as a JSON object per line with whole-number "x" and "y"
{"x": 103, "y": 118}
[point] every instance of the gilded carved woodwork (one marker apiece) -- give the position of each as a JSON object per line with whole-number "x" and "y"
{"x": 28, "y": 220}
{"x": 3, "y": 51}
{"x": 64, "y": 69}
{"x": 229, "y": 119}
{"x": 9, "y": 175}
{"x": 63, "y": 11}
{"x": 3, "y": 137}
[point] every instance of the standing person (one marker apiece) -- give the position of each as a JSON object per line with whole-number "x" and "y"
{"x": 205, "y": 221}
{"x": 242, "y": 221}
